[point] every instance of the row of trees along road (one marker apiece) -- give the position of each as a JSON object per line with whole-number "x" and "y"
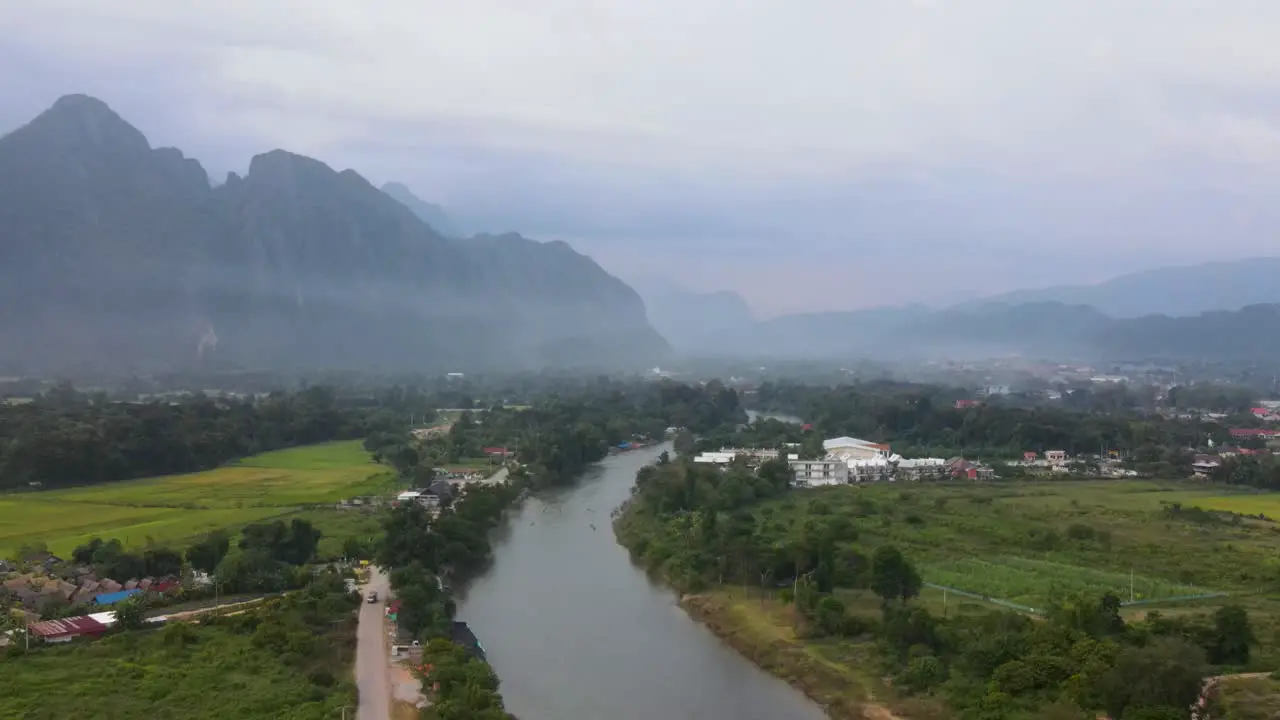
{"x": 698, "y": 526}
{"x": 422, "y": 552}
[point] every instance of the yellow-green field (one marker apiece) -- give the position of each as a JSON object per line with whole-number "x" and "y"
{"x": 175, "y": 508}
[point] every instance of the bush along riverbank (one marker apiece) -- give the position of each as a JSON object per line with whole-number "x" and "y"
{"x": 805, "y": 583}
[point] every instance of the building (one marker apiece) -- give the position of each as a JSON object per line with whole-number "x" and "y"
{"x": 724, "y": 456}
{"x": 1055, "y": 457}
{"x": 1030, "y": 456}
{"x": 966, "y": 404}
{"x": 1264, "y": 433}
{"x": 114, "y": 597}
{"x": 814, "y": 473}
{"x": 68, "y": 629}
{"x": 848, "y": 448}
{"x": 1204, "y": 465}
{"x": 875, "y": 469}
{"x": 961, "y": 468}
{"x": 915, "y": 469}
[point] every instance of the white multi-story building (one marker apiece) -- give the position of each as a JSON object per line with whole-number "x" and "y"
{"x": 724, "y": 456}
{"x": 813, "y": 473}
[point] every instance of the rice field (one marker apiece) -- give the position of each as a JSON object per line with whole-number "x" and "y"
{"x": 1268, "y": 504}
{"x": 174, "y": 508}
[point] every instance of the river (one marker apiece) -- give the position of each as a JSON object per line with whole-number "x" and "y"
{"x": 575, "y": 631}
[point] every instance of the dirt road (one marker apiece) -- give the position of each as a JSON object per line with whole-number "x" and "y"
{"x": 372, "y": 676}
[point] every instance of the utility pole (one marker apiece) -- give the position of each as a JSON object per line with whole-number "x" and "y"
{"x": 1130, "y": 583}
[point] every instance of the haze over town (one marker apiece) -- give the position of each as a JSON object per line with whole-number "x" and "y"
{"x": 812, "y": 155}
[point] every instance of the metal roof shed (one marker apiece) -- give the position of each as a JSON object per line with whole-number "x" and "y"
{"x": 115, "y": 597}
{"x": 64, "y": 629}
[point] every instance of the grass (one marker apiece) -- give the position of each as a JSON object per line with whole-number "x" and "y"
{"x": 1024, "y": 542}
{"x": 1251, "y": 699}
{"x": 175, "y": 508}
{"x": 1037, "y": 583}
{"x": 194, "y": 672}
{"x": 1017, "y": 540}
{"x": 474, "y": 465}
{"x": 1033, "y": 542}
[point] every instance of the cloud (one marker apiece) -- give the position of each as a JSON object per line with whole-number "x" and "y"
{"x": 735, "y": 134}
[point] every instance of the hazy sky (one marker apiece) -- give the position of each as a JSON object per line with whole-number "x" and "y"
{"x": 807, "y": 153}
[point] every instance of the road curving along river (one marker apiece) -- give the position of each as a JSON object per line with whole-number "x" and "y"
{"x": 575, "y": 631}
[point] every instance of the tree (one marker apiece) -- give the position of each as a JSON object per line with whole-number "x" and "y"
{"x": 892, "y": 576}
{"x": 83, "y": 554}
{"x": 130, "y": 613}
{"x": 1232, "y": 636}
{"x": 1166, "y": 674}
{"x": 207, "y": 552}
{"x": 162, "y": 562}
{"x": 353, "y": 549}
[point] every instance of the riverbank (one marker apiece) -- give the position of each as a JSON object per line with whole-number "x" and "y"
{"x": 839, "y": 679}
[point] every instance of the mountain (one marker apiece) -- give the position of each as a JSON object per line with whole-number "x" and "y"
{"x": 115, "y": 256}
{"x": 688, "y": 320}
{"x": 1179, "y": 291}
{"x": 429, "y": 213}
{"x": 1045, "y": 330}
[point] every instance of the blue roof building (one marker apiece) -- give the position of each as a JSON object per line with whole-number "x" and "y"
{"x": 115, "y": 597}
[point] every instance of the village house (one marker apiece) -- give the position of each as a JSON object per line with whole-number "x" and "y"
{"x": 1204, "y": 465}
{"x": 965, "y": 469}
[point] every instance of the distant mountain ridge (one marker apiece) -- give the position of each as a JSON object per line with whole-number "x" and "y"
{"x": 118, "y": 257}
{"x": 429, "y": 213}
{"x": 1175, "y": 290}
{"x": 1215, "y": 311}
{"x": 1044, "y": 330}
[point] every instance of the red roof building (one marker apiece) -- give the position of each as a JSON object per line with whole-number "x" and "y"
{"x": 966, "y": 404}
{"x": 164, "y": 586}
{"x": 501, "y": 452}
{"x": 67, "y": 629}
{"x": 1254, "y": 432}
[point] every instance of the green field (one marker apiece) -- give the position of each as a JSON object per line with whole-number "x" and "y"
{"x": 175, "y": 508}
{"x": 1033, "y": 543}
{"x": 1037, "y": 583}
